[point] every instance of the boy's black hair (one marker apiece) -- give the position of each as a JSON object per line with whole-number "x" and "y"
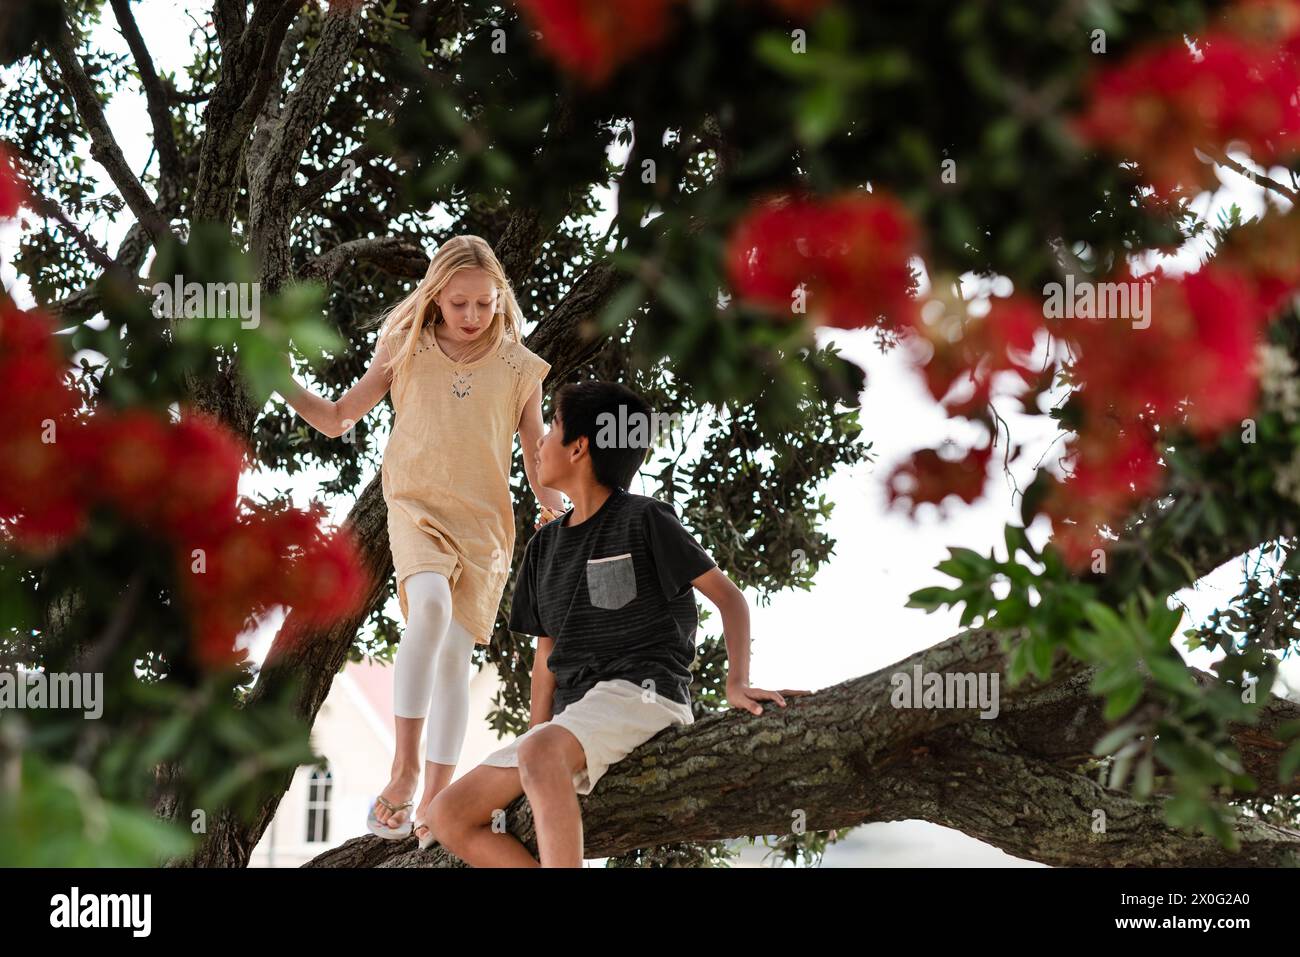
{"x": 580, "y": 406}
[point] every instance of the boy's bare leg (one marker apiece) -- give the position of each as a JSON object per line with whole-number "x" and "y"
{"x": 547, "y": 763}
{"x": 462, "y": 814}
{"x": 436, "y": 778}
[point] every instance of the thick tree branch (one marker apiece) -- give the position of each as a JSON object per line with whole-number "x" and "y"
{"x": 395, "y": 255}
{"x": 103, "y": 145}
{"x": 845, "y": 756}
{"x": 324, "y": 181}
{"x": 272, "y": 182}
{"x": 169, "y": 158}
{"x": 230, "y": 17}
{"x": 248, "y": 71}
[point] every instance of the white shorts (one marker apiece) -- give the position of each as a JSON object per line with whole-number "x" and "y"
{"x": 610, "y": 721}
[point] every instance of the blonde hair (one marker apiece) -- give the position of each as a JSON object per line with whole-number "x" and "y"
{"x": 405, "y": 321}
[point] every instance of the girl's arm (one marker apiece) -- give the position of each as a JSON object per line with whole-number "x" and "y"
{"x": 530, "y": 430}
{"x": 540, "y": 701}
{"x": 335, "y": 418}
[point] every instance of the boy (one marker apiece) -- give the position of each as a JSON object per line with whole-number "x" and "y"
{"x": 607, "y": 589}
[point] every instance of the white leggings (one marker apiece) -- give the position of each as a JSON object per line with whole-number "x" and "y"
{"x": 431, "y": 670}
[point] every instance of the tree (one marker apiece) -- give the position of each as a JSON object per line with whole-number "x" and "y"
{"x": 300, "y": 152}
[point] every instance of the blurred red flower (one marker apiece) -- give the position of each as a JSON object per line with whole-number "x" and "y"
{"x": 592, "y": 38}
{"x": 850, "y": 253}
{"x": 1162, "y": 103}
{"x": 931, "y": 477}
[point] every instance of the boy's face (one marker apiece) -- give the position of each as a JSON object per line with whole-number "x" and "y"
{"x": 557, "y": 464}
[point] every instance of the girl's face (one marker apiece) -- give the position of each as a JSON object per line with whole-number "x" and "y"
{"x": 468, "y": 303}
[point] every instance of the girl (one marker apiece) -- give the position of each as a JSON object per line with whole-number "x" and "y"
{"x": 462, "y": 384}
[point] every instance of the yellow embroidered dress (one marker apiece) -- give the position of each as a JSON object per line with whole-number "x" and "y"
{"x": 446, "y": 471}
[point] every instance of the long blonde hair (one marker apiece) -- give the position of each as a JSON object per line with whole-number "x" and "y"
{"x": 405, "y": 321}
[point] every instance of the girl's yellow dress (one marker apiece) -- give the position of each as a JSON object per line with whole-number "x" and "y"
{"x": 446, "y": 471}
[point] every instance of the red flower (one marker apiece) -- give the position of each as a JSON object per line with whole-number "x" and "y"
{"x": 41, "y": 446}
{"x": 995, "y": 343}
{"x": 849, "y": 253}
{"x": 593, "y": 38}
{"x": 1268, "y": 252}
{"x": 1197, "y": 354}
{"x": 1161, "y": 104}
{"x": 930, "y": 477}
{"x": 205, "y": 460}
{"x": 133, "y": 461}
{"x": 1112, "y": 470}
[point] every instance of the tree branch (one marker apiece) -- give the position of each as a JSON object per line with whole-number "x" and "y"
{"x": 395, "y": 255}
{"x": 272, "y": 187}
{"x": 1223, "y": 159}
{"x": 844, "y": 757}
{"x": 103, "y": 145}
{"x": 169, "y": 158}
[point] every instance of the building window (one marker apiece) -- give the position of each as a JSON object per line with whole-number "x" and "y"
{"x": 318, "y": 804}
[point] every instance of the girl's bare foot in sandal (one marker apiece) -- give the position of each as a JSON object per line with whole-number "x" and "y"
{"x": 391, "y": 810}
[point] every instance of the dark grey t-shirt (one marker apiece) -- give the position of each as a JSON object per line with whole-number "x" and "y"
{"x": 614, "y": 592}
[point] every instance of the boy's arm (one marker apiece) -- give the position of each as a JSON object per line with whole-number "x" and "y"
{"x": 541, "y": 700}
{"x": 731, "y": 604}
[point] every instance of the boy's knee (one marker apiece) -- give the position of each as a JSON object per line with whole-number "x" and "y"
{"x": 445, "y": 819}
{"x": 542, "y": 753}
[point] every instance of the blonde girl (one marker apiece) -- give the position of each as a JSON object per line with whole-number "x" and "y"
{"x": 462, "y": 385}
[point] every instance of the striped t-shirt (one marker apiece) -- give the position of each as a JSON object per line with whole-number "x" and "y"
{"x": 614, "y": 592}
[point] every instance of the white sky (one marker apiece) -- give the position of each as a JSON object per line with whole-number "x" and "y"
{"x": 854, "y": 620}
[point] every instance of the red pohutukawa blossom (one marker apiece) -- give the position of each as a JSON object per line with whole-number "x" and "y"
{"x": 12, "y": 193}
{"x": 929, "y": 476}
{"x": 1196, "y": 355}
{"x": 591, "y": 39}
{"x": 267, "y": 559}
{"x": 1110, "y": 471}
{"x": 1267, "y": 252}
{"x": 849, "y": 253}
{"x": 41, "y": 500}
{"x": 1161, "y": 104}
{"x": 178, "y": 480}
{"x": 1000, "y": 341}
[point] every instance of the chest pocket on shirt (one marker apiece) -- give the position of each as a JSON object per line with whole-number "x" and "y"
{"x": 611, "y": 582}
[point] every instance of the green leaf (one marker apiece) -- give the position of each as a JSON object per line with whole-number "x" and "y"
{"x": 1123, "y": 699}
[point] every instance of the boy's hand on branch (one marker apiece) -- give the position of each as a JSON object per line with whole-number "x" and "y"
{"x": 741, "y": 695}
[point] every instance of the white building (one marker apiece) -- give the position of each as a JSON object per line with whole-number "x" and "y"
{"x": 327, "y": 805}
